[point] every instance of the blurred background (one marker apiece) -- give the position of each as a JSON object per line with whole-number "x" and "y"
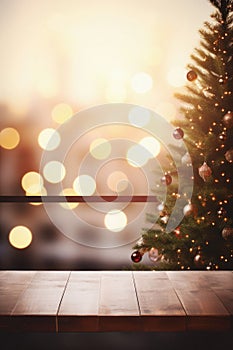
{"x": 62, "y": 57}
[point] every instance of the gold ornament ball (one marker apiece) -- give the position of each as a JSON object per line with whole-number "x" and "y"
{"x": 153, "y": 254}
{"x": 229, "y": 155}
{"x": 190, "y": 209}
{"x": 205, "y": 171}
{"x": 228, "y": 119}
{"x": 198, "y": 260}
{"x": 191, "y": 75}
{"x": 227, "y": 233}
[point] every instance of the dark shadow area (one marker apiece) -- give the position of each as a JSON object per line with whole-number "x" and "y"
{"x": 116, "y": 341}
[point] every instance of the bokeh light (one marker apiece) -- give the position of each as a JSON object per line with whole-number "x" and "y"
{"x": 115, "y": 220}
{"x": 9, "y": 138}
{"x": 117, "y": 181}
{"x": 20, "y": 237}
{"x": 42, "y": 192}
{"x": 141, "y": 83}
{"x": 69, "y": 192}
{"x": 84, "y": 185}
{"x": 49, "y": 139}
{"x": 137, "y": 155}
{"x": 100, "y": 148}
{"x": 54, "y": 171}
{"x": 139, "y": 116}
{"x": 32, "y": 182}
{"x": 151, "y": 145}
{"x": 61, "y": 113}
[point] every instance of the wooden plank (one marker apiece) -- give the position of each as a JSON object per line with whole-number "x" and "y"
{"x": 204, "y": 309}
{"x": 12, "y": 285}
{"x": 191, "y": 280}
{"x": 220, "y": 279}
{"x": 160, "y": 308}
{"x": 79, "y": 308}
{"x": 36, "y": 309}
{"x": 118, "y": 307}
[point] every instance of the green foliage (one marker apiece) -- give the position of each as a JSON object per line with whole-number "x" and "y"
{"x": 198, "y": 243}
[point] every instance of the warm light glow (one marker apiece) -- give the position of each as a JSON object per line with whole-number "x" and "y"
{"x": 100, "y": 148}
{"x": 117, "y": 181}
{"x": 61, "y": 113}
{"x": 84, "y": 185}
{"x": 116, "y": 92}
{"x": 69, "y": 192}
{"x": 176, "y": 76}
{"x": 42, "y": 192}
{"x": 139, "y": 116}
{"x": 137, "y": 155}
{"x": 9, "y": 138}
{"x": 166, "y": 110}
{"x": 49, "y": 139}
{"x": 141, "y": 83}
{"x": 54, "y": 171}
{"x": 151, "y": 145}
{"x": 20, "y": 237}
{"x": 32, "y": 182}
{"x": 115, "y": 220}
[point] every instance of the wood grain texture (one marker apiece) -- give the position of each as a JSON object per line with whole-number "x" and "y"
{"x": 106, "y": 301}
{"x": 12, "y": 285}
{"x": 80, "y": 303}
{"x": 159, "y": 305}
{"x": 37, "y": 307}
{"x": 118, "y": 306}
{"x": 203, "y": 307}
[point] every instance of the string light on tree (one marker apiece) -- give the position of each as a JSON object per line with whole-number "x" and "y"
{"x": 205, "y": 231}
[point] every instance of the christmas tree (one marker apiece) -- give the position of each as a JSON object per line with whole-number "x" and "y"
{"x": 204, "y": 238}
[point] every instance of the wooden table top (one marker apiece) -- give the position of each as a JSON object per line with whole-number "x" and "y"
{"x": 107, "y": 301}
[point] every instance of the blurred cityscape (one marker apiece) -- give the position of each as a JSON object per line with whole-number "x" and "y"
{"x": 60, "y": 58}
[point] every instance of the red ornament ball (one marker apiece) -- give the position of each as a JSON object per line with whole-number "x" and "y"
{"x": 178, "y": 133}
{"x": 228, "y": 119}
{"x": 191, "y": 75}
{"x": 136, "y": 256}
{"x": 166, "y": 179}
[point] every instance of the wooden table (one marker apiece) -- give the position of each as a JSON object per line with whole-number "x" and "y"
{"x": 109, "y": 301}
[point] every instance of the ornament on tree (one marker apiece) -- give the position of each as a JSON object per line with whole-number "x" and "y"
{"x": 140, "y": 242}
{"x": 136, "y": 256}
{"x": 190, "y": 209}
{"x": 198, "y": 260}
{"x": 166, "y": 179}
{"x": 227, "y": 233}
{"x": 178, "y": 133}
{"x": 161, "y": 208}
{"x": 222, "y": 137}
{"x": 221, "y": 212}
{"x": 191, "y": 75}
{"x": 229, "y": 155}
{"x": 186, "y": 159}
{"x": 164, "y": 219}
{"x": 154, "y": 254}
{"x": 204, "y": 171}
{"x": 228, "y": 119}
{"x": 177, "y": 232}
